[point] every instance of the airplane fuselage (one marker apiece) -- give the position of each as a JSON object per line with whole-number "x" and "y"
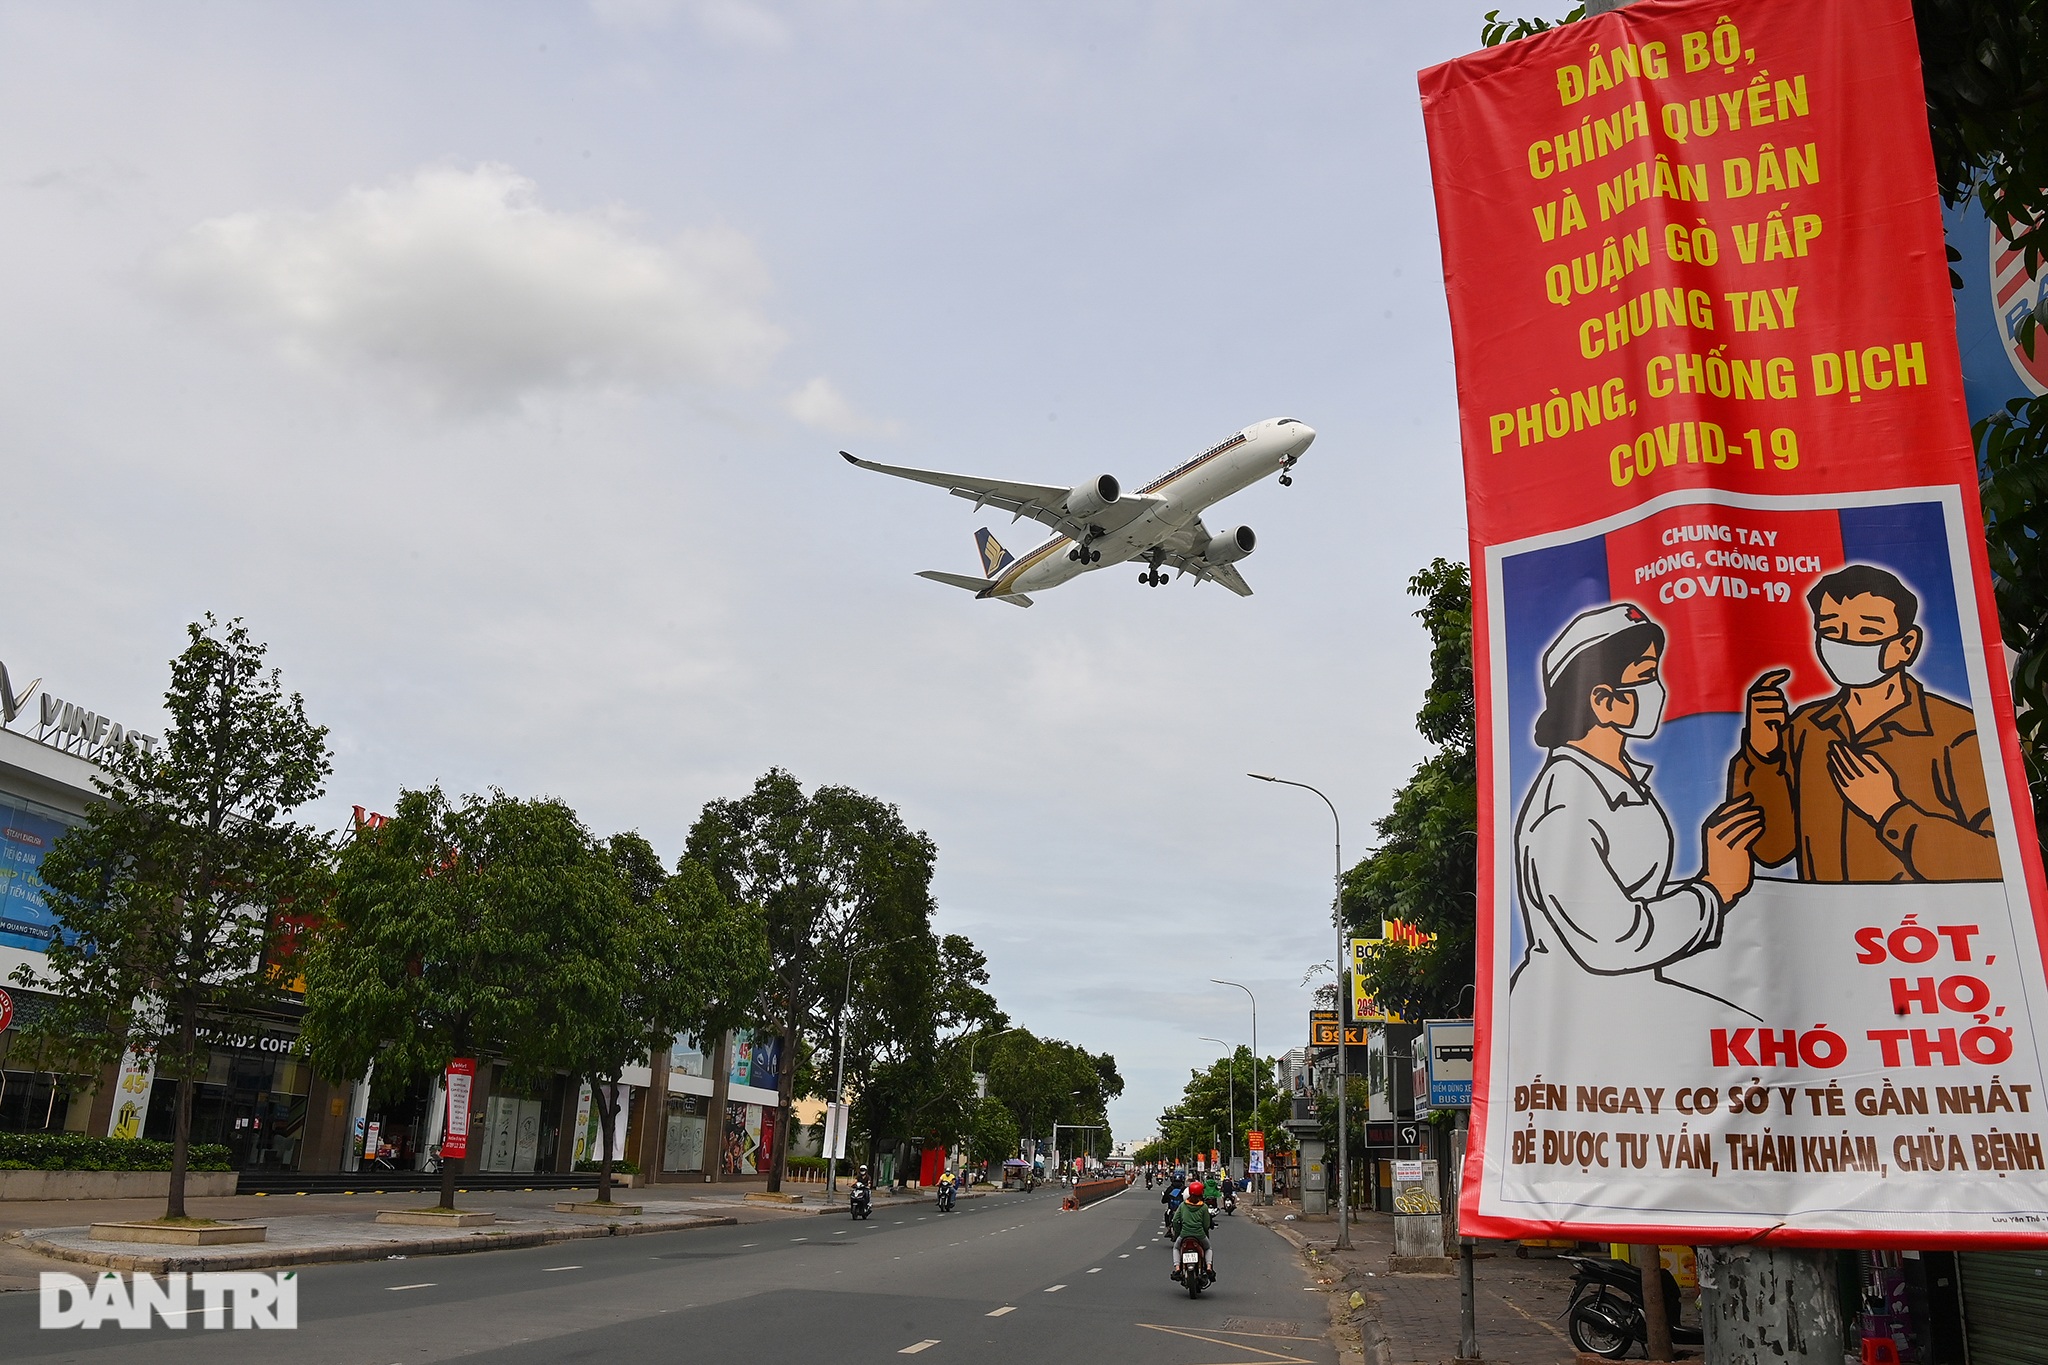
{"x": 1262, "y": 449}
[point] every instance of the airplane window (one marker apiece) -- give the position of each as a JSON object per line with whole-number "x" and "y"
{"x": 1290, "y": 421}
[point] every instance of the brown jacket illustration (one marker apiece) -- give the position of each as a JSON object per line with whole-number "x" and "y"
{"x": 1940, "y": 831}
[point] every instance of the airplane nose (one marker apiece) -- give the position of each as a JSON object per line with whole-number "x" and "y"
{"x": 1304, "y": 436}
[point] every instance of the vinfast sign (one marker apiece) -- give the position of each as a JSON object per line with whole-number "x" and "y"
{"x": 1760, "y": 947}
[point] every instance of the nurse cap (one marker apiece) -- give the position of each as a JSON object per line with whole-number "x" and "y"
{"x": 1588, "y": 629}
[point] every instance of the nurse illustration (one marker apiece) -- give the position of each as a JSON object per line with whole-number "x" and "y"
{"x": 1593, "y": 845}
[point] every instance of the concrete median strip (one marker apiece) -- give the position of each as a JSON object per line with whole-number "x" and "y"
{"x": 319, "y": 1238}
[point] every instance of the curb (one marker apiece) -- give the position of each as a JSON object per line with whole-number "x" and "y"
{"x": 357, "y": 1251}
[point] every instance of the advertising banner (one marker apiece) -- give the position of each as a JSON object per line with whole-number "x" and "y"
{"x": 455, "y": 1134}
{"x": 1759, "y": 933}
{"x": 26, "y": 921}
{"x": 131, "y": 1095}
{"x": 1255, "y": 1152}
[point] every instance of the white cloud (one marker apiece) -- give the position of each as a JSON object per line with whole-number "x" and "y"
{"x": 820, "y": 405}
{"x": 466, "y": 290}
{"x": 737, "y": 22}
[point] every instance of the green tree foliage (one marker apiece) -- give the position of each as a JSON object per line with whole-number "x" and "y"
{"x": 641, "y": 957}
{"x": 831, "y": 870}
{"x": 1037, "y": 1079}
{"x": 912, "y": 1085}
{"x": 171, "y": 891}
{"x": 1203, "y": 1115}
{"x": 444, "y": 939}
{"x": 1424, "y": 870}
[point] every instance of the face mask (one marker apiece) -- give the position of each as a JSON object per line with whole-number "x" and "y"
{"x": 1649, "y": 709}
{"x": 1850, "y": 665}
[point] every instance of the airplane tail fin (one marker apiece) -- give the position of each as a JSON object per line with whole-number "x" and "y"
{"x": 994, "y": 558}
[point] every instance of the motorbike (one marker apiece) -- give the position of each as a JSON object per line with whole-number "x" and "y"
{"x": 861, "y": 1202}
{"x": 1230, "y": 1202}
{"x": 946, "y": 1197}
{"x": 1193, "y": 1268}
{"x": 1605, "y": 1316}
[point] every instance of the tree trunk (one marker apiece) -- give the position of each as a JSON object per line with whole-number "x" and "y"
{"x": 1656, "y": 1325}
{"x": 181, "y": 1130}
{"x": 448, "y": 1181}
{"x": 607, "y": 1117}
{"x": 785, "y": 1073}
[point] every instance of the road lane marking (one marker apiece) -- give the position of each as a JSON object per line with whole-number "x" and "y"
{"x": 1095, "y": 1270}
{"x": 924, "y": 1345}
{"x": 549, "y": 1270}
{"x": 1124, "y": 1256}
{"x": 1055, "y": 1289}
{"x": 799, "y": 1239}
{"x": 1006, "y": 1308}
{"x": 394, "y": 1288}
{"x": 745, "y": 1245}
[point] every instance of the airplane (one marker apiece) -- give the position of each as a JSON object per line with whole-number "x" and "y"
{"x": 1095, "y": 522}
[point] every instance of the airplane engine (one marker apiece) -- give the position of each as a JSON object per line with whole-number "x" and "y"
{"x": 1091, "y": 497}
{"x": 1227, "y": 547}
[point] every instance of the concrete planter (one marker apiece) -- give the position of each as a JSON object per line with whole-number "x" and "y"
{"x": 112, "y": 1184}
{"x": 173, "y": 1235}
{"x": 603, "y": 1210}
{"x": 436, "y": 1218}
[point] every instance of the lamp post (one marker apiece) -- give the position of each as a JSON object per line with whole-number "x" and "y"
{"x": 1255, "y": 1036}
{"x": 1232, "y": 1086}
{"x": 1337, "y": 915}
{"x": 839, "y": 1048}
{"x": 972, "y": 1043}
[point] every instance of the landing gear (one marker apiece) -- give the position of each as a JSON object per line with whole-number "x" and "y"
{"x": 1286, "y": 480}
{"x": 1081, "y": 554}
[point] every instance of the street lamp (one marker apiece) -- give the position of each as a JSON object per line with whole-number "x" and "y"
{"x": 972, "y": 1043}
{"x": 1255, "y": 1036}
{"x": 1337, "y": 915}
{"x": 1233, "y": 1092}
{"x": 839, "y": 1048}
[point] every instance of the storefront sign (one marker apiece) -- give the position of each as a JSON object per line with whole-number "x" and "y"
{"x": 131, "y": 1095}
{"x": 26, "y": 838}
{"x": 455, "y": 1135}
{"x": 1759, "y": 953}
{"x": 70, "y": 727}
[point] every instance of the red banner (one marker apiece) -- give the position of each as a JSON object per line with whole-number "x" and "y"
{"x": 455, "y": 1133}
{"x": 1759, "y": 933}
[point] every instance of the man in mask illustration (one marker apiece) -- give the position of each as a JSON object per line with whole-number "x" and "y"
{"x": 1881, "y": 781}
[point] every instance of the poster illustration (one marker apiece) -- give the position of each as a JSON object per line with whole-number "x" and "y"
{"x": 1760, "y": 941}
{"x": 25, "y": 920}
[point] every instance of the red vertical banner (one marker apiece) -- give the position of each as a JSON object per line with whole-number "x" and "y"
{"x": 455, "y": 1132}
{"x": 1760, "y": 933}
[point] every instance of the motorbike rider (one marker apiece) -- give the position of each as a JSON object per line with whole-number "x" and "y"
{"x": 1193, "y": 1219}
{"x": 946, "y": 1190}
{"x": 1176, "y": 1188}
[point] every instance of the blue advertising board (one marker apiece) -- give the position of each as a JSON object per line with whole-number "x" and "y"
{"x": 1996, "y": 297}
{"x": 26, "y": 921}
{"x": 1447, "y": 1052}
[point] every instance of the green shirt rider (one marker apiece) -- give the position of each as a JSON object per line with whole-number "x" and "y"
{"x": 1194, "y": 1219}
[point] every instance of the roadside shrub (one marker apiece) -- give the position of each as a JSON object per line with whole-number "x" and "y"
{"x": 620, "y": 1166}
{"x": 79, "y": 1152}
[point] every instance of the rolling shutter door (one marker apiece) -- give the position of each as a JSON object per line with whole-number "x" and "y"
{"x": 2004, "y": 1293}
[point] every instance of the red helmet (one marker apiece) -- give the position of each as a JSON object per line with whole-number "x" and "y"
{"x": 1195, "y": 1190}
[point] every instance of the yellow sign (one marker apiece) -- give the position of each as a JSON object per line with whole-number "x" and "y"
{"x": 1364, "y": 1009}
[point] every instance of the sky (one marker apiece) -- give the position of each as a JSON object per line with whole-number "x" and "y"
{"x": 490, "y": 360}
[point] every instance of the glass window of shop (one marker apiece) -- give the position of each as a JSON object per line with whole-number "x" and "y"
{"x": 252, "y": 1099}
{"x": 690, "y": 1056}
{"x": 32, "y": 1100}
{"x": 682, "y": 1147}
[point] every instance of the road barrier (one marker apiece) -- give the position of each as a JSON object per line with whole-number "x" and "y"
{"x": 1088, "y": 1191}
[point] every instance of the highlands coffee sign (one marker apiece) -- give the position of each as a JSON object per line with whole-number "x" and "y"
{"x": 66, "y": 725}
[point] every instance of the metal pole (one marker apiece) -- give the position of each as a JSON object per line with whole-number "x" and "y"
{"x": 839, "y": 1047}
{"x": 1232, "y": 1085}
{"x": 1337, "y": 914}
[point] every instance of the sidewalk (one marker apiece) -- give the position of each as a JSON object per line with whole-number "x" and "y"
{"x": 1413, "y": 1319}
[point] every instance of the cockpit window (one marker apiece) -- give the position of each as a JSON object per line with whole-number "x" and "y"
{"x": 1290, "y": 421}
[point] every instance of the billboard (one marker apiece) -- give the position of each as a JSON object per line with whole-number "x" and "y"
{"x": 1759, "y": 931}
{"x": 26, "y": 921}
{"x": 1446, "y": 1054}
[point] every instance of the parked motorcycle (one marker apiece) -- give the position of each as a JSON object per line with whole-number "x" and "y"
{"x": 861, "y": 1202}
{"x": 1605, "y": 1316}
{"x": 1193, "y": 1267}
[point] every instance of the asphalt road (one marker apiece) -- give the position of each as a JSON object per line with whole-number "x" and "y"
{"x": 1006, "y": 1278}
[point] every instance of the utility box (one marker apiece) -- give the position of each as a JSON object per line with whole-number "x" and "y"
{"x": 1418, "y": 1211}
{"x": 1315, "y": 1177}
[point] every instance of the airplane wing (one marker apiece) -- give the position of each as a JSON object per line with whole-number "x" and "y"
{"x": 977, "y": 586}
{"x": 1202, "y": 569}
{"x": 1041, "y": 502}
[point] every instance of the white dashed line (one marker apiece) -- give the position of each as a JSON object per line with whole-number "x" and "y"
{"x": 924, "y": 1345}
{"x": 1095, "y": 1270}
{"x": 549, "y": 1270}
{"x": 428, "y": 1285}
{"x": 799, "y": 1239}
{"x": 1125, "y": 1256}
{"x": 1055, "y": 1289}
{"x": 1006, "y": 1308}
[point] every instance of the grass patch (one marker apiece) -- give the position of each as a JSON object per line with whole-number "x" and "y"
{"x": 187, "y": 1222}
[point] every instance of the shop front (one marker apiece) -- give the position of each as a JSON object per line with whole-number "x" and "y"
{"x": 252, "y": 1099}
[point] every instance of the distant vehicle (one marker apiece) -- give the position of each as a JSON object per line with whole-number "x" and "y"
{"x": 1096, "y": 522}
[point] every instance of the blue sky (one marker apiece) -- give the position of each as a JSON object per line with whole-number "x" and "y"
{"x": 490, "y": 360}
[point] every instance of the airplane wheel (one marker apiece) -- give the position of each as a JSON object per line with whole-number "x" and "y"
{"x": 1095, "y": 558}
{"x": 1146, "y": 579}
{"x": 1286, "y": 480}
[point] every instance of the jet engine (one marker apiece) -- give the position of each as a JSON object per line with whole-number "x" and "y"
{"x": 1091, "y": 497}
{"x": 1227, "y": 547}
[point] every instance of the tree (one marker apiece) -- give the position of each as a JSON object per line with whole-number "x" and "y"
{"x": 1425, "y": 870}
{"x": 659, "y": 956}
{"x": 829, "y": 871}
{"x": 1048, "y": 1081}
{"x": 442, "y": 937}
{"x": 170, "y": 893}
